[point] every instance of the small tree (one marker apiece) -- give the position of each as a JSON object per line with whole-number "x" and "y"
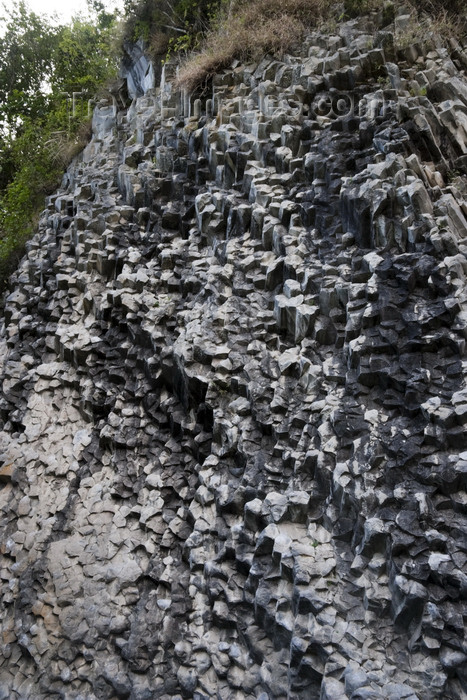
{"x": 41, "y": 65}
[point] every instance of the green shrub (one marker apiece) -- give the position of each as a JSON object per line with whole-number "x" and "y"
{"x": 42, "y": 66}
{"x": 169, "y": 27}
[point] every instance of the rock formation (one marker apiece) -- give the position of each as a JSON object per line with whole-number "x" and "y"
{"x": 234, "y": 462}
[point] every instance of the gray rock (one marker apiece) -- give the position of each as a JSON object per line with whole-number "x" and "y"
{"x": 231, "y": 389}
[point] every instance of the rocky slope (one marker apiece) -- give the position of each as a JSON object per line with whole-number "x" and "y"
{"x": 233, "y": 391}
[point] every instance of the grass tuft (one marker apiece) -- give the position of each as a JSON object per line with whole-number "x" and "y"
{"x": 250, "y": 30}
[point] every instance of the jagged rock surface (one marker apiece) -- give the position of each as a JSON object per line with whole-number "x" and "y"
{"x": 234, "y": 457}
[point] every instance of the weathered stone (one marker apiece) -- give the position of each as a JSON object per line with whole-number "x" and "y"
{"x": 232, "y": 396}
{"x": 6, "y": 472}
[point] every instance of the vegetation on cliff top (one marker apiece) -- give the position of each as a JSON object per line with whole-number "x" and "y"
{"x": 208, "y": 35}
{"x": 248, "y": 29}
{"x": 48, "y": 73}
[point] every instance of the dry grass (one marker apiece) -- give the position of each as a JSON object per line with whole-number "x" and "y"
{"x": 250, "y": 31}
{"x": 455, "y": 8}
{"x": 64, "y": 147}
{"x": 429, "y": 20}
{"x": 159, "y": 44}
{"x": 356, "y": 8}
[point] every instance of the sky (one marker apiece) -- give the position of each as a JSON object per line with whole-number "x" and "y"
{"x": 63, "y": 8}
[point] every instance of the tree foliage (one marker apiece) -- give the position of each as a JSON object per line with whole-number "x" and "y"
{"x": 83, "y": 58}
{"x": 48, "y": 72}
{"x": 26, "y": 63}
{"x": 169, "y": 25}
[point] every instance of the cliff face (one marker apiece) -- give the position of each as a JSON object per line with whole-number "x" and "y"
{"x": 233, "y": 407}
